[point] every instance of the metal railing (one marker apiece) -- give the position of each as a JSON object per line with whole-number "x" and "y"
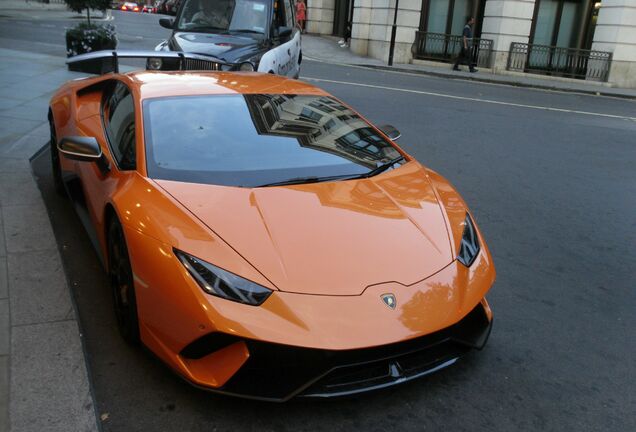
{"x": 446, "y": 48}
{"x": 558, "y": 61}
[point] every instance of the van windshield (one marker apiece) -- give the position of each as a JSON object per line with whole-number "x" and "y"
{"x": 216, "y": 16}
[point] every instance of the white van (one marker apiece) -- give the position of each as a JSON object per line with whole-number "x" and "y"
{"x": 251, "y": 35}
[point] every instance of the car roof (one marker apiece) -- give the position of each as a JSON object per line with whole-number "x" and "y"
{"x": 154, "y": 84}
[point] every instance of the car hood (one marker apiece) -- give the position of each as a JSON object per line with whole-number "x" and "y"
{"x": 333, "y": 238}
{"x": 230, "y": 48}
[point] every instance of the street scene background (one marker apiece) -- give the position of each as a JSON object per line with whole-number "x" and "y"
{"x": 548, "y": 175}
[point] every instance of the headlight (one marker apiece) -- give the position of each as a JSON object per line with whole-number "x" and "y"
{"x": 154, "y": 63}
{"x": 221, "y": 283}
{"x": 247, "y": 67}
{"x": 469, "y": 246}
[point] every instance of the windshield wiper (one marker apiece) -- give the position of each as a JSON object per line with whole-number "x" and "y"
{"x": 381, "y": 168}
{"x": 302, "y": 180}
{"x": 204, "y": 28}
{"x": 245, "y": 31}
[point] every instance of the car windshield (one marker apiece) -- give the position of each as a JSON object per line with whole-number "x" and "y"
{"x": 247, "y": 16}
{"x": 258, "y": 139}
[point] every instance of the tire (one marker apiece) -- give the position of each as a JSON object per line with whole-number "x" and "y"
{"x": 122, "y": 284}
{"x": 55, "y": 161}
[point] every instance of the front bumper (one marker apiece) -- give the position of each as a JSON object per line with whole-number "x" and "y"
{"x": 279, "y": 372}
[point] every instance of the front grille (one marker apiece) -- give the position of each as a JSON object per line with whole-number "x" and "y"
{"x": 194, "y": 64}
{"x": 279, "y": 372}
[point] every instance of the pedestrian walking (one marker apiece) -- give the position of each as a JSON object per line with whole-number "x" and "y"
{"x": 465, "y": 54}
{"x": 301, "y": 11}
{"x": 344, "y": 42}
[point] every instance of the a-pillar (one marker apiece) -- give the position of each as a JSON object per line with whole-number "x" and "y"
{"x": 506, "y": 21}
{"x": 616, "y": 32}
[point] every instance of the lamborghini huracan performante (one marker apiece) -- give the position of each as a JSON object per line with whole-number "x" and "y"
{"x": 263, "y": 239}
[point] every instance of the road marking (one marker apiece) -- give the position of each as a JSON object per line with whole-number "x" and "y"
{"x": 466, "y": 98}
{"x": 372, "y": 67}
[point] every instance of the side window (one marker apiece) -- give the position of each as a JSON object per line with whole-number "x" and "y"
{"x": 279, "y": 15}
{"x": 289, "y": 15}
{"x": 119, "y": 119}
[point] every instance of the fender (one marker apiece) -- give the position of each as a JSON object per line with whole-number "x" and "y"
{"x": 279, "y": 61}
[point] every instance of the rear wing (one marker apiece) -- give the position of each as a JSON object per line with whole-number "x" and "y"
{"x": 103, "y": 62}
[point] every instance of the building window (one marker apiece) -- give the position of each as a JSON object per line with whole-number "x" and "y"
{"x": 449, "y": 16}
{"x": 563, "y": 23}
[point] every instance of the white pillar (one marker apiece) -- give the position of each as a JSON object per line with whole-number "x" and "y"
{"x": 506, "y": 21}
{"x": 616, "y": 32}
{"x": 320, "y": 16}
{"x": 372, "y": 23}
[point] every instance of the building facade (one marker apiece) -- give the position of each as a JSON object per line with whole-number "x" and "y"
{"x": 576, "y": 39}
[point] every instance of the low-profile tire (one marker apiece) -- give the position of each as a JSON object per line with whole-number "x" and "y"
{"x": 56, "y": 168}
{"x": 122, "y": 284}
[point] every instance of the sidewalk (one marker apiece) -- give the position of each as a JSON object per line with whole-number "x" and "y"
{"x": 326, "y": 49}
{"x": 43, "y": 378}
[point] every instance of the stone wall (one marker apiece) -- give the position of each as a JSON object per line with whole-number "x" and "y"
{"x": 506, "y": 21}
{"x": 616, "y": 32}
{"x": 320, "y": 16}
{"x": 371, "y": 31}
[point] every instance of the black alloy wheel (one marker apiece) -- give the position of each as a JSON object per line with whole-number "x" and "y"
{"x": 122, "y": 284}
{"x": 55, "y": 161}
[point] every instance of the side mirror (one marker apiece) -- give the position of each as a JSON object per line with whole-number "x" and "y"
{"x": 284, "y": 32}
{"x": 80, "y": 148}
{"x": 84, "y": 149}
{"x": 391, "y": 132}
{"x": 166, "y": 23}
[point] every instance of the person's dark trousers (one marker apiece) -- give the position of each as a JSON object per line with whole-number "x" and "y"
{"x": 464, "y": 57}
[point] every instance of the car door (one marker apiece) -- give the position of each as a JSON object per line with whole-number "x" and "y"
{"x": 119, "y": 146}
{"x": 283, "y": 58}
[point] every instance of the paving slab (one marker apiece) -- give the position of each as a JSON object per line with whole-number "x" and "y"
{"x": 25, "y": 94}
{"x": 3, "y": 250}
{"x": 6, "y": 103}
{"x": 4, "y": 393}
{"x": 4, "y": 327}
{"x": 35, "y": 109}
{"x": 40, "y": 294}
{"x": 45, "y": 357}
{"x": 4, "y": 284}
{"x": 18, "y": 188}
{"x": 13, "y": 129}
{"x": 26, "y": 144}
{"x": 27, "y": 228}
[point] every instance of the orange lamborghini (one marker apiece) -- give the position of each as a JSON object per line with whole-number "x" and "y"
{"x": 263, "y": 239}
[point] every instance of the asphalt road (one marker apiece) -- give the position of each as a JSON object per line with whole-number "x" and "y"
{"x": 550, "y": 178}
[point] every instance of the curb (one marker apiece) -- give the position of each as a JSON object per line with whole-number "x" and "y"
{"x": 546, "y": 86}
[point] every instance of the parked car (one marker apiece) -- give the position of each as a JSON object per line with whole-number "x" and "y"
{"x": 160, "y": 5}
{"x": 172, "y": 6}
{"x": 262, "y": 238}
{"x": 258, "y": 34}
{"x": 148, "y": 9}
{"x": 130, "y": 7}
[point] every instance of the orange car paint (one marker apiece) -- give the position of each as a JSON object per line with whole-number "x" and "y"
{"x": 323, "y": 248}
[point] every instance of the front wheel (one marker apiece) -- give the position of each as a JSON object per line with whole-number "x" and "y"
{"x": 122, "y": 284}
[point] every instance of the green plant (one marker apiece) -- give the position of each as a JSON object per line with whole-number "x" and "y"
{"x": 79, "y": 5}
{"x": 87, "y": 37}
